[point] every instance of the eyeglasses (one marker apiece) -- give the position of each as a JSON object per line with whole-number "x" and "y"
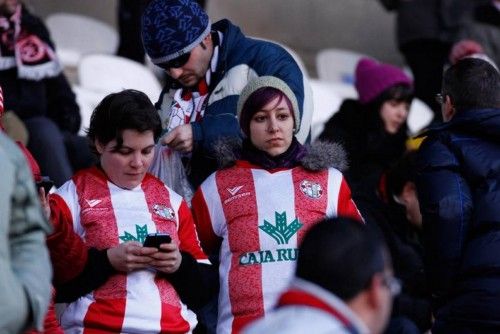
{"x": 176, "y": 62}
{"x": 439, "y": 98}
{"x": 393, "y": 284}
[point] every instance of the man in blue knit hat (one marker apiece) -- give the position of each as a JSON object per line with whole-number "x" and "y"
{"x": 208, "y": 65}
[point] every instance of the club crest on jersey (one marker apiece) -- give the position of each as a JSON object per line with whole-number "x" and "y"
{"x": 164, "y": 211}
{"x": 311, "y": 189}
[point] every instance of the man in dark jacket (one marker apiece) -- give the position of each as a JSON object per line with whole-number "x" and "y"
{"x": 207, "y": 66}
{"x": 458, "y": 185}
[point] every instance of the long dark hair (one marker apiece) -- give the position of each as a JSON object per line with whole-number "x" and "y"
{"x": 399, "y": 93}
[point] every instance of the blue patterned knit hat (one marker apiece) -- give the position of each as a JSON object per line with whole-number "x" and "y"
{"x": 171, "y": 28}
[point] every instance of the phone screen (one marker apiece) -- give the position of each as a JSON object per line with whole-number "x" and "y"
{"x": 46, "y": 184}
{"x": 156, "y": 239}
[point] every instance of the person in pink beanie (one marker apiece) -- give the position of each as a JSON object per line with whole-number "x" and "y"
{"x": 373, "y": 127}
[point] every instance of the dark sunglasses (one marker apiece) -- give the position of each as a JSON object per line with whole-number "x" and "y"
{"x": 176, "y": 62}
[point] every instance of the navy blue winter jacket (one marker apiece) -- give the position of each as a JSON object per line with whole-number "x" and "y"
{"x": 459, "y": 191}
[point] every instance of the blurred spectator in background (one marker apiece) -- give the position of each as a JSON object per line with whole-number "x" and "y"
{"x": 481, "y": 34}
{"x": 334, "y": 291}
{"x": 129, "y": 29}
{"x": 458, "y": 184}
{"x": 50, "y": 324}
{"x": 400, "y": 189}
{"x": 373, "y": 128}
{"x": 36, "y": 90}
{"x": 426, "y": 30}
{"x": 208, "y": 65}
{"x": 373, "y": 131}
{"x": 25, "y": 269}
{"x": 399, "y": 219}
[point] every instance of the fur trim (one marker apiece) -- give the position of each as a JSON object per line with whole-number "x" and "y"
{"x": 324, "y": 154}
{"x": 226, "y": 151}
{"x": 320, "y": 155}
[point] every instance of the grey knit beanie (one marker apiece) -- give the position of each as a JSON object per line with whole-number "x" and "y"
{"x": 261, "y": 82}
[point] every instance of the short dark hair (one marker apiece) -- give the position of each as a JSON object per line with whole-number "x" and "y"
{"x": 472, "y": 83}
{"x": 341, "y": 255}
{"x": 126, "y": 110}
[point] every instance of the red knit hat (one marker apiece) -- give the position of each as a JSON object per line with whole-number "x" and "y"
{"x": 373, "y": 78}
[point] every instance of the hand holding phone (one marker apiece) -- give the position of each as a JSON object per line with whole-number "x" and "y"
{"x": 46, "y": 183}
{"x": 168, "y": 259}
{"x": 156, "y": 239}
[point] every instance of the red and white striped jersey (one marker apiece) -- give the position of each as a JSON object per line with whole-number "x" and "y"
{"x": 105, "y": 215}
{"x": 260, "y": 217}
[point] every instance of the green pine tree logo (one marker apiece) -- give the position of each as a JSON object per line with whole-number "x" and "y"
{"x": 281, "y": 232}
{"x": 141, "y": 234}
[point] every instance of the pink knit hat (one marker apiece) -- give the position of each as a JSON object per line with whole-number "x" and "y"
{"x": 373, "y": 78}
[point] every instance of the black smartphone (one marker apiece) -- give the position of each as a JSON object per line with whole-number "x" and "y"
{"x": 46, "y": 184}
{"x": 156, "y": 239}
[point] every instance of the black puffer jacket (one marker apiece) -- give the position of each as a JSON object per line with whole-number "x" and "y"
{"x": 458, "y": 184}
